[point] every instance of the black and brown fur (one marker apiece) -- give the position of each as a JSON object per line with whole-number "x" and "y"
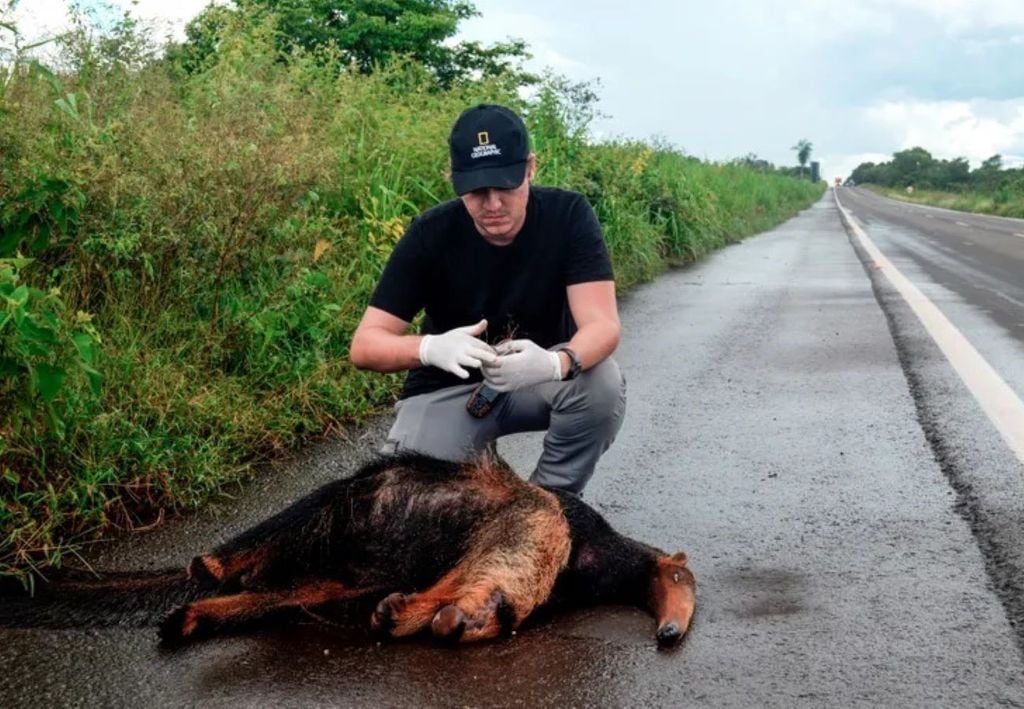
{"x": 468, "y": 551}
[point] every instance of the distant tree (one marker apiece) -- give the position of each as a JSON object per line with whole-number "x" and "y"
{"x": 917, "y": 166}
{"x": 753, "y": 162}
{"x": 870, "y": 173}
{"x": 993, "y": 163}
{"x": 910, "y": 166}
{"x": 989, "y": 174}
{"x": 803, "y": 150}
{"x": 949, "y": 174}
{"x": 369, "y": 33}
{"x": 202, "y": 37}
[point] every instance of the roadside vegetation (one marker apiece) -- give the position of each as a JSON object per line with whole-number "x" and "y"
{"x": 189, "y": 234}
{"x": 915, "y": 176}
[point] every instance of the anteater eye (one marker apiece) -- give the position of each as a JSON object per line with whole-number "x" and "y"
{"x": 675, "y": 577}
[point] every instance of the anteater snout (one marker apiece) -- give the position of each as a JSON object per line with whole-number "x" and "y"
{"x": 668, "y": 635}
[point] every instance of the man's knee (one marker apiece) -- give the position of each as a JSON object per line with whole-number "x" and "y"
{"x": 436, "y": 424}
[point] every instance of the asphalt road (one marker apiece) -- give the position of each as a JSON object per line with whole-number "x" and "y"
{"x": 850, "y": 514}
{"x": 979, "y": 259}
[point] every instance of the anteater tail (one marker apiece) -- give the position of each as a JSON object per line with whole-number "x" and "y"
{"x": 76, "y": 599}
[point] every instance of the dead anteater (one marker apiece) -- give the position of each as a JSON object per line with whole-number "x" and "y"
{"x": 468, "y": 550}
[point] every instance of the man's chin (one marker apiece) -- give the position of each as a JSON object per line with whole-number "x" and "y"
{"x": 497, "y": 233}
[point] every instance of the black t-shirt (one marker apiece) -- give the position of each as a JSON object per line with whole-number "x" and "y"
{"x": 444, "y": 266}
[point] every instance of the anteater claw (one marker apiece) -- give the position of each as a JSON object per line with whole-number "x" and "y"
{"x": 449, "y": 623}
{"x": 383, "y": 618}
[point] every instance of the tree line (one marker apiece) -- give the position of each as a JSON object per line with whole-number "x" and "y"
{"x": 918, "y": 168}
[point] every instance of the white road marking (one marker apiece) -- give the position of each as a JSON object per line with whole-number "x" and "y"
{"x": 929, "y": 216}
{"x": 963, "y": 223}
{"x": 1020, "y": 235}
{"x": 1002, "y": 405}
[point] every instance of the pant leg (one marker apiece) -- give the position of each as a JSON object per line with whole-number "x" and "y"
{"x": 582, "y": 417}
{"x": 437, "y": 424}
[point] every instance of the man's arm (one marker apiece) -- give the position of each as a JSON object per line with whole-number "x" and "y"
{"x": 381, "y": 343}
{"x": 596, "y": 313}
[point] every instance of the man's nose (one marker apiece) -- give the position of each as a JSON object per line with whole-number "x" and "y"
{"x": 492, "y": 199}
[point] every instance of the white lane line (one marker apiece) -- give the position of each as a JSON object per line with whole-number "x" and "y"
{"x": 929, "y": 216}
{"x": 1002, "y": 405}
{"x": 963, "y": 223}
{"x": 1020, "y": 235}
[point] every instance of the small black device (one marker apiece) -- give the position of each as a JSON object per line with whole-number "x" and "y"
{"x": 482, "y": 400}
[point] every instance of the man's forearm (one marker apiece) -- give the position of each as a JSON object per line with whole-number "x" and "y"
{"x": 382, "y": 351}
{"x": 592, "y": 343}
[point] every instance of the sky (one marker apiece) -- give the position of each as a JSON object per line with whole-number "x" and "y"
{"x": 720, "y": 79}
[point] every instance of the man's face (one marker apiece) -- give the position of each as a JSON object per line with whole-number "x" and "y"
{"x": 499, "y": 214}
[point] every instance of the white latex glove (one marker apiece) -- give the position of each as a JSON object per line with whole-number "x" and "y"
{"x": 521, "y": 363}
{"x": 456, "y": 349}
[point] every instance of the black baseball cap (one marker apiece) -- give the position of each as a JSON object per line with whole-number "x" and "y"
{"x": 489, "y": 147}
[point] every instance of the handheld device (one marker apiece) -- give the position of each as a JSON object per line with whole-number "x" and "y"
{"x": 482, "y": 400}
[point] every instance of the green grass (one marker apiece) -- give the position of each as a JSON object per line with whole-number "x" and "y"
{"x": 1005, "y": 202}
{"x": 202, "y": 249}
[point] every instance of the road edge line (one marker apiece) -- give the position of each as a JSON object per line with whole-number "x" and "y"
{"x": 999, "y": 402}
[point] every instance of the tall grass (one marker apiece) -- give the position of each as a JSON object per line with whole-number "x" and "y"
{"x": 199, "y": 251}
{"x": 1007, "y": 201}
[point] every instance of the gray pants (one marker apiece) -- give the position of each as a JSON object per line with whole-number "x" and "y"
{"x": 581, "y": 417}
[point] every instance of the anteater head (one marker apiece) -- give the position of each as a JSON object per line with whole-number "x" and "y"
{"x": 672, "y": 596}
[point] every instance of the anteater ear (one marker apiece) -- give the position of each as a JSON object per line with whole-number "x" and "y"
{"x": 679, "y": 557}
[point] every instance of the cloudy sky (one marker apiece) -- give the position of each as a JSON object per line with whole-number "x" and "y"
{"x": 720, "y": 79}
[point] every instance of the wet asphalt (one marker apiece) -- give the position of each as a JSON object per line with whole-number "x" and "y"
{"x": 851, "y": 517}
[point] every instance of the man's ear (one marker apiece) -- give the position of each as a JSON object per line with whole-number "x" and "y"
{"x": 531, "y": 167}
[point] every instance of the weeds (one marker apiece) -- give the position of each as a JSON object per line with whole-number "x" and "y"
{"x": 1007, "y": 201}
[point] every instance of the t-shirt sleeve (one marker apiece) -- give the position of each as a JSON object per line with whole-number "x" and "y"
{"x": 402, "y": 286}
{"x": 588, "y": 258}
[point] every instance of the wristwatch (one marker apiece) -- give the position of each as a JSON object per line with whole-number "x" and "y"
{"x": 574, "y": 363}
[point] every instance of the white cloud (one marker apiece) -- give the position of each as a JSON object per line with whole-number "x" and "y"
{"x": 959, "y": 16}
{"x": 168, "y": 18}
{"x": 42, "y": 18}
{"x": 540, "y": 34}
{"x": 975, "y": 130}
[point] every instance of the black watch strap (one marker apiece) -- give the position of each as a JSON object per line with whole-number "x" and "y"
{"x": 575, "y": 367}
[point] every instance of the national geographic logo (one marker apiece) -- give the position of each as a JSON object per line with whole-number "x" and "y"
{"x": 485, "y": 148}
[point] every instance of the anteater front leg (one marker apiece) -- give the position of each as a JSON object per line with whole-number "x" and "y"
{"x": 210, "y": 616}
{"x": 509, "y": 569}
{"x": 454, "y": 609}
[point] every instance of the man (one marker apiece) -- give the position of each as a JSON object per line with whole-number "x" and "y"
{"x": 517, "y": 289}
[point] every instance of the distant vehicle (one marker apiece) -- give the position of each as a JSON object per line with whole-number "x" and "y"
{"x": 839, "y": 182}
{"x": 850, "y": 183}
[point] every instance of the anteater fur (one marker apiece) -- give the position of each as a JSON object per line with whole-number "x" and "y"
{"x": 467, "y": 551}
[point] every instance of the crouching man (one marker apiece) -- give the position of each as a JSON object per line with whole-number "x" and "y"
{"x": 519, "y": 298}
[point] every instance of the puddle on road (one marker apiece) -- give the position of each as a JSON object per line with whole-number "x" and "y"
{"x": 764, "y": 592}
{"x": 592, "y": 657}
